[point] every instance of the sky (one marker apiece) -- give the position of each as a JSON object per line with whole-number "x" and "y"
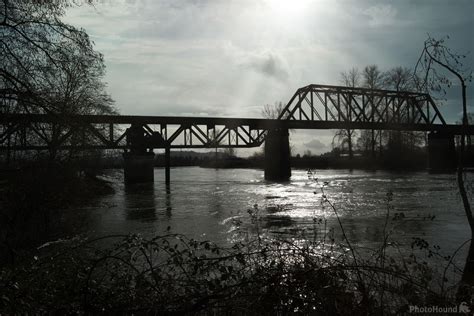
{"x": 230, "y": 58}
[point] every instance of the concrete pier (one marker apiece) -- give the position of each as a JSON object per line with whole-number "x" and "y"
{"x": 277, "y": 155}
{"x": 441, "y": 152}
{"x": 138, "y": 167}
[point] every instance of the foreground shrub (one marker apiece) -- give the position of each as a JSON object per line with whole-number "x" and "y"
{"x": 174, "y": 274}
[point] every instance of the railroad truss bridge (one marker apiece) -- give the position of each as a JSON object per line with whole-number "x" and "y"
{"x": 311, "y": 107}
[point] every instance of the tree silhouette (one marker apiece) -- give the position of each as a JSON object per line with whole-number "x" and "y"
{"x": 48, "y": 66}
{"x": 34, "y": 43}
{"x": 401, "y": 79}
{"x": 272, "y": 111}
{"x": 372, "y": 78}
{"x": 437, "y": 62}
{"x": 351, "y": 79}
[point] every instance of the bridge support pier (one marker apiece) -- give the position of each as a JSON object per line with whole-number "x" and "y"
{"x": 138, "y": 167}
{"x": 277, "y": 155}
{"x": 441, "y": 152}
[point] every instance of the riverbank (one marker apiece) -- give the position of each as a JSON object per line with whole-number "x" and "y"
{"x": 36, "y": 200}
{"x": 416, "y": 160}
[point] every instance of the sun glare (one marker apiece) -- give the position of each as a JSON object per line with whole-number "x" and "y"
{"x": 287, "y": 7}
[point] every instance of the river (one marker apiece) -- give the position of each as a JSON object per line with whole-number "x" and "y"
{"x": 213, "y": 204}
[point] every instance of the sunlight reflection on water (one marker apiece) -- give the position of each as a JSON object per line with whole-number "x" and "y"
{"x": 213, "y": 204}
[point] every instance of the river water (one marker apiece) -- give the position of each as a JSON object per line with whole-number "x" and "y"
{"x": 214, "y": 204}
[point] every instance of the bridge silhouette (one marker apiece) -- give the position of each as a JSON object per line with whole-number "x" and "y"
{"x": 311, "y": 107}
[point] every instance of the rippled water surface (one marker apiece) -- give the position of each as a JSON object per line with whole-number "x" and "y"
{"x": 213, "y": 204}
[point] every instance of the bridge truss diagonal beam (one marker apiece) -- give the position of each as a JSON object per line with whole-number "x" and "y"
{"x": 349, "y": 105}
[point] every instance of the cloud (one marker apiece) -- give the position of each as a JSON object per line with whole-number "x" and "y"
{"x": 268, "y": 64}
{"x": 228, "y": 58}
{"x": 316, "y": 145}
{"x": 381, "y": 14}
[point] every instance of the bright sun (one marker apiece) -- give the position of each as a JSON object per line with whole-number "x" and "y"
{"x": 287, "y": 7}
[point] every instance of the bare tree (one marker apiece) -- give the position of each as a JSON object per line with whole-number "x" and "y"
{"x": 399, "y": 79}
{"x": 77, "y": 88}
{"x": 372, "y": 78}
{"x": 272, "y": 111}
{"x": 48, "y": 66}
{"x": 402, "y": 79}
{"x": 350, "y": 78}
{"x": 437, "y": 66}
{"x": 34, "y": 41}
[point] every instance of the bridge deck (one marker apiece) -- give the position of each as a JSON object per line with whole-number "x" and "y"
{"x": 254, "y": 123}
{"x": 311, "y": 107}
{"x": 109, "y": 131}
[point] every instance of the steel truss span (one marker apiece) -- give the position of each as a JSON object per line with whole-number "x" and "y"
{"x": 40, "y": 131}
{"x": 359, "y": 105}
{"x": 311, "y": 107}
